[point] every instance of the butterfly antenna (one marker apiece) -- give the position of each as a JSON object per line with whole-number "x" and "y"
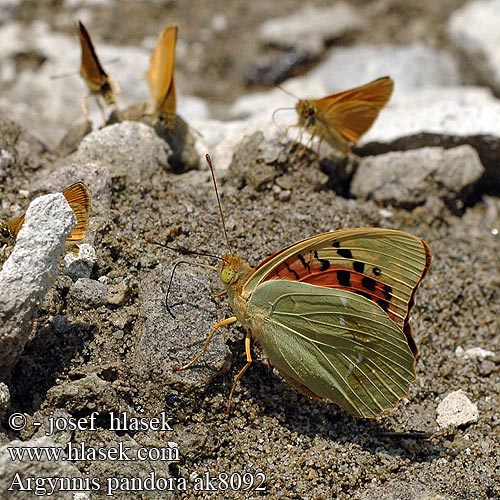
{"x": 274, "y": 114}
{"x": 182, "y": 251}
{"x": 171, "y": 280}
{"x": 286, "y": 91}
{"x": 209, "y": 161}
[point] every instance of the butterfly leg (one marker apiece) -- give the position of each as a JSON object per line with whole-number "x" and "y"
{"x": 218, "y": 295}
{"x": 227, "y": 321}
{"x": 84, "y": 105}
{"x": 248, "y": 352}
{"x": 101, "y": 108}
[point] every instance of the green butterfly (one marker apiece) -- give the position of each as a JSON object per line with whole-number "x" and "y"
{"x": 332, "y": 314}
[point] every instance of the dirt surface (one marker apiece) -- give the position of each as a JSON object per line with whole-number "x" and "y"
{"x": 117, "y": 355}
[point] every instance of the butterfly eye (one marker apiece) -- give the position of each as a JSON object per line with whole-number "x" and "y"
{"x": 4, "y": 232}
{"x": 227, "y": 275}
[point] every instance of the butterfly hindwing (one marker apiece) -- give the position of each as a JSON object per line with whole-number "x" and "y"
{"x": 335, "y": 343}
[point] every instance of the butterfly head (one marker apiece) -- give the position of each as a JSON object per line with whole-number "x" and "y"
{"x": 306, "y": 112}
{"x": 234, "y": 271}
{"x": 6, "y": 236}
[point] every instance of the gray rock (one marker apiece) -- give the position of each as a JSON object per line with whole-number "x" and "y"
{"x": 456, "y": 409}
{"x": 80, "y": 265}
{"x": 95, "y": 174}
{"x": 310, "y": 27}
{"x": 411, "y": 66}
{"x": 473, "y": 29}
{"x": 166, "y": 342}
{"x": 445, "y": 117}
{"x": 91, "y": 391}
{"x": 30, "y": 271}
{"x": 407, "y": 179}
{"x": 16, "y": 472}
{"x": 87, "y": 294}
{"x": 128, "y": 149}
{"x": 4, "y": 399}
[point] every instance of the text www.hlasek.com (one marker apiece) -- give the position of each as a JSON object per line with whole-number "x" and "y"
{"x": 80, "y": 452}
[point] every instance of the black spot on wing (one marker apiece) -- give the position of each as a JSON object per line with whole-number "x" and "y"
{"x": 358, "y": 266}
{"x": 377, "y": 271}
{"x": 383, "y": 304}
{"x": 388, "y": 292}
{"x": 344, "y": 277}
{"x": 345, "y": 252}
{"x": 325, "y": 264}
{"x": 292, "y": 271}
{"x": 369, "y": 283}
{"x": 364, "y": 294}
{"x": 304, "y": 262}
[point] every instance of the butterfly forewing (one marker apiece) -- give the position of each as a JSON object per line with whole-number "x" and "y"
{"x": 335, "y": 343}
{"x": 382, "y": 265}
{"x": 161, "y": 72}
{"x": 92, "y": 72}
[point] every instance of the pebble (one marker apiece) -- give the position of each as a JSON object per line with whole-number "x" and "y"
{"x": 407, "y": 178}
{"x": 310, "y": 27}
{"x": 473, "y": 353}
{"x": 129, "y": 149}
{"x": 456, "y": 409}
{"x": 87, "y": 294}
{"x": 37, "y": 468}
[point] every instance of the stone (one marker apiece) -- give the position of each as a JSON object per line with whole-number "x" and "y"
{"x": 166, "y": 341}
{"x": 30, "y": 272}
{"x": 456, "y": 409}
{"x": 473, "y": 30}
{"x": 408, "y": 178}
{"x": 446, "y": 117}
{"x": 4, "y": 399}
{"x": 130, "y": 149}
{"x": 87, "y": 294}
{"x": 410, "y": 66}
{"x": 473, "y": 353}
{"x": 310, "y": 27}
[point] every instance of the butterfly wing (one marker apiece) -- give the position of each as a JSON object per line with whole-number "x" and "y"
{"x": 351, "y": 113}
{"x": 79, "y": 199}
{"x": 10, "y": 229}
{"x": 161, "y": 72}
{"x": 91, "y": 69}
{"x": 383, "y": 265}
{"x": 332, "y": 343}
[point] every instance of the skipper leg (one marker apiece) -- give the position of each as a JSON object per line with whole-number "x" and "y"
{"x": 224, "y": 322}
{"x": 248, "y": 352}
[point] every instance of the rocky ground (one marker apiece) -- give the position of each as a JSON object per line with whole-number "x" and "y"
{"x": 85, "y": 336}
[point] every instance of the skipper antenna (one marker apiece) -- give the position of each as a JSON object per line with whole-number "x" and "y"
{"x": 209, "y": 161}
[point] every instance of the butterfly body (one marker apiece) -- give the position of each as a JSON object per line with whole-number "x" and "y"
{"x": 332, "y": 314}
{"x": 341, "y": 119}
{"x": 79, "y": 198}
